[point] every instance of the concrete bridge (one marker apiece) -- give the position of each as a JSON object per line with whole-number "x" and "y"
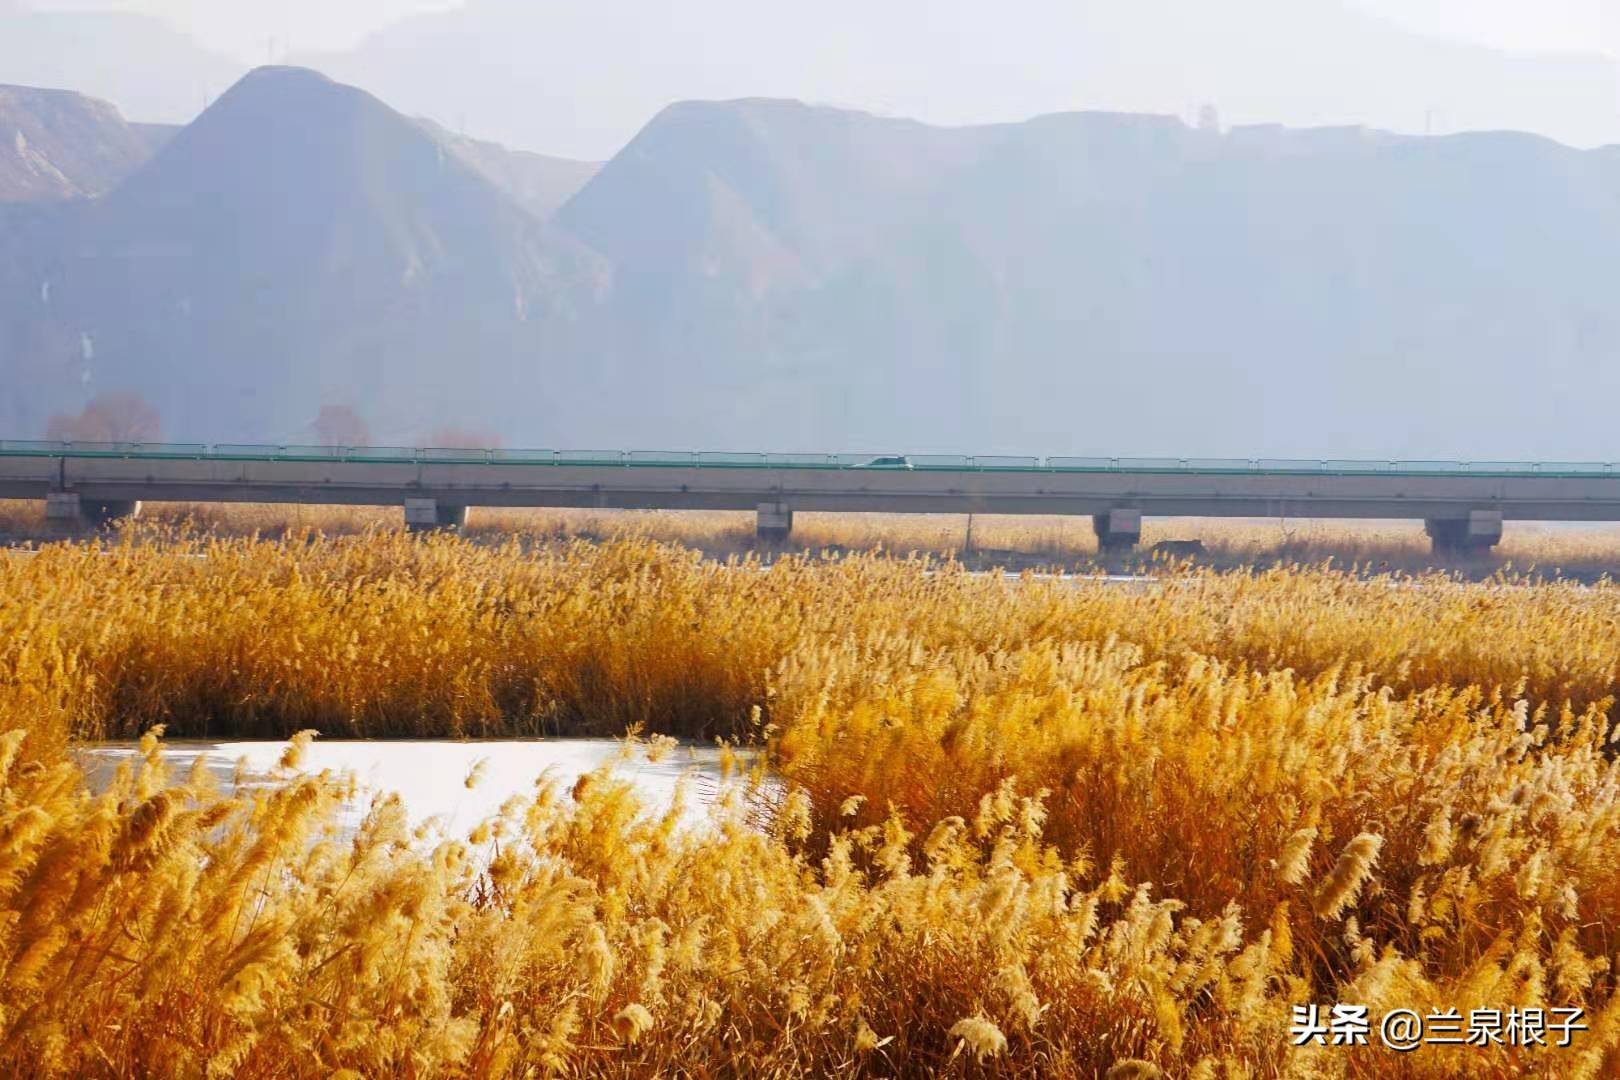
{"x": 1463, "y": 504}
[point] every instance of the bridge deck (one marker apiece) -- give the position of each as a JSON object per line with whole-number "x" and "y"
{"x": 1548, "y": 491}
{"x": 702, "y": 459}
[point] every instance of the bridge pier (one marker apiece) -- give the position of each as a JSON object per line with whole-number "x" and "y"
{"x": 71, "y": 512}
{"x": 1475, "y": 534}
{"x": 430, "y": 515}
{"x": 773, "y": 522}
{"x": 1118, "y": 530}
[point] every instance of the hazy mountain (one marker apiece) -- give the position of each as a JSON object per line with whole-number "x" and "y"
{"x": 149, "y": 70}
{"x": 580, "y": 79}
{"x": 56, "y": 144}
{"x": 156, "y": 136}
{"x": 56, "y": 147}
{"x": 299, "y": 244}
{"x": 765, "y": 274}
{"x": 540, "y": 184}
{"x": 805, "y": 278}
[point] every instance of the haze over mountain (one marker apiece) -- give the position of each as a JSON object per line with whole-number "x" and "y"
{"x": 541, "y": 184}
{"x": 800, "y": 276}
{"x": 299, "y": 244}
{"x": 143, "y": 65}
{"x": 579, "y": 79}
{"x": 58, "y": 144}
{"x": 760, "y": 273}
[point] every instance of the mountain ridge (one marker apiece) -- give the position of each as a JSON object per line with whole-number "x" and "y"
{"x": 532, "y": 74}
{"x": 59, "y": 144}
{"x": 1084, "y": 255}
{"x": 298, "y": 244}
{"x": 761, "y": 273}
{"x": 540, "y": 183}
{"x": 145, "y": 67}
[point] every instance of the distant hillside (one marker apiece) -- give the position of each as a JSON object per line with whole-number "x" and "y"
{"x": 765, "y": 274}
{"x": 149, "y": 70}
{"x": 156, "y": 136}
{"x": 540, "y": 184}
{"x": 299, "y": 244}
{"x": 541, "y": 76}
{"x": 808, "y": 277}
{"x": 56, "y": 144}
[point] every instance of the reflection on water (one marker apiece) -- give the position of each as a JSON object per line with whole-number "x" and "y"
{"x": 430, "y": 775}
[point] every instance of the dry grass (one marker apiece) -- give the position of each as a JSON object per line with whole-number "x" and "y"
{"x": 1029, "y": 828}
{"x": 1587, "y": 551}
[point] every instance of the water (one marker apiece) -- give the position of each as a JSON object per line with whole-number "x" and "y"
{"x": 430, "y": 775}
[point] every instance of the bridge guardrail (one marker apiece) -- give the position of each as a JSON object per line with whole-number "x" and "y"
{"x": 747, "y": 459}
{"x": 1511, "y": 467}
{"x": 245, "y": 451}
{"x": 736, "y": 460}
{"x": 679, "y": 458}
{"x": 1573, "y": 467}
{"x": 453, "y": 456}
{"x": 799, "y": 461}
{"x": 590, "y": 457}
{"x": 524, "y": 457}
{"x": 386, "y": 453}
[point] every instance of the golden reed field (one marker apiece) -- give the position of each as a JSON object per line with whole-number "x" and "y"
{"x": 1032, "y": 826}
{"x": 985, "y": 539}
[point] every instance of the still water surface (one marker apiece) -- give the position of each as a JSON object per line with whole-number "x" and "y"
{"x": 430, "y": 775}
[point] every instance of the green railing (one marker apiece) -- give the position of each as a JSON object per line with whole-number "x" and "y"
{"x": 705, "y": 459}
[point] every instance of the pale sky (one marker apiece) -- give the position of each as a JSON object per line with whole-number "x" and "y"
{"x": 245, "y": 28}
{"x": 1535, "y": 25}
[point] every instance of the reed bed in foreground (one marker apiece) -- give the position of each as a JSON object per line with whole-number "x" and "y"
{"x": 1024, "y": 827}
